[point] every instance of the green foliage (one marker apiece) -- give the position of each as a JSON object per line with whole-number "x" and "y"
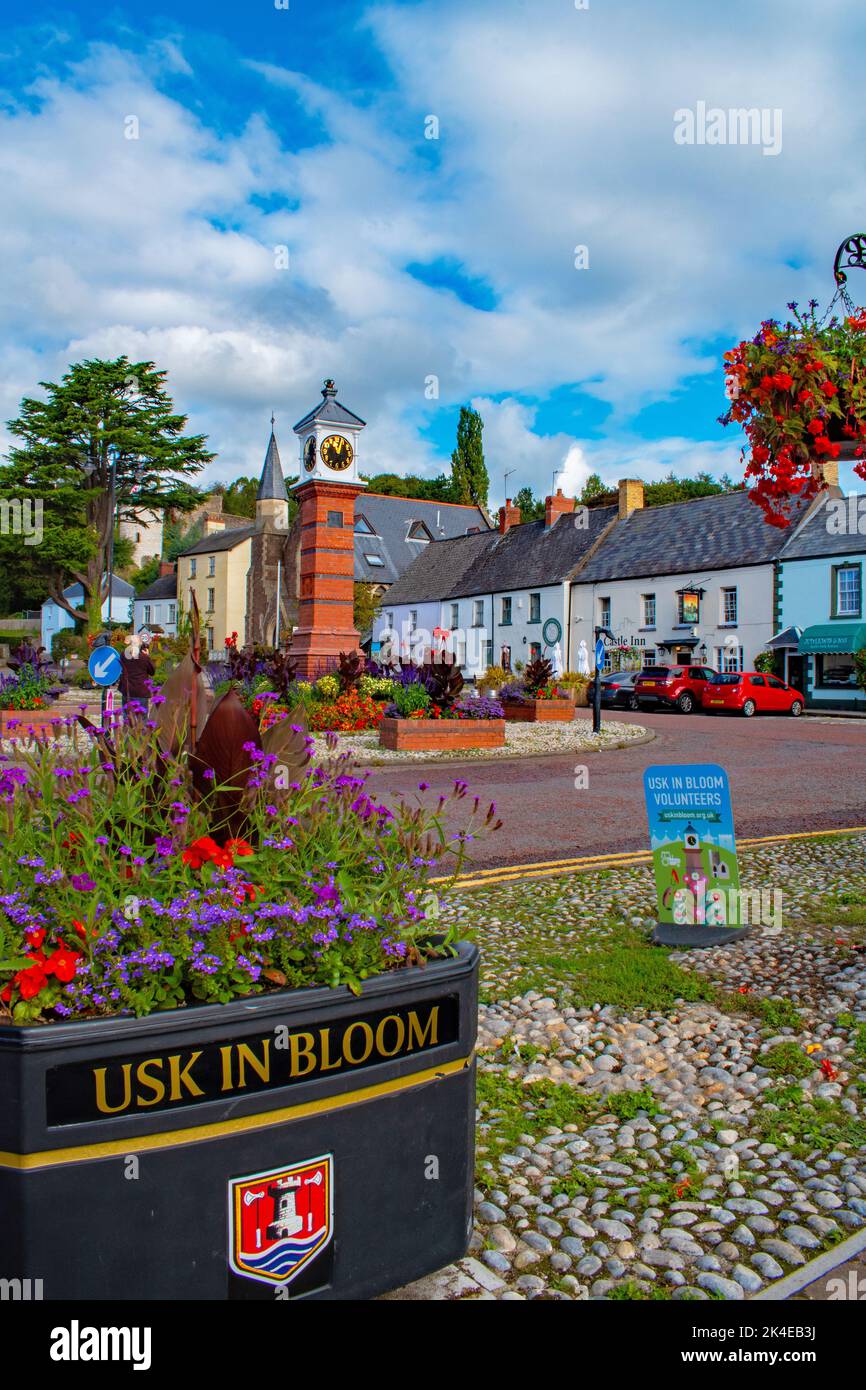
{"x": 780, "y": 1013}
{"x": 593, "y": 489}
{"x": 468, "y": 469}
{"x": 627, "y": 1104}
{"x": 68, "y": 642}
{"x": 531, "y": 507}
{"x": 145, "y": 575}
{"x": 769, "y": 662}
{"x": 786, "y": 1059}
{"x": 409, "y": 699}
{"x": 812, "y": 1122}
{"x": 860, "y": 667}
{"x": 178, "y": 537}
{"x": 368, "y": 601}
{"x": 102, "y": 417}
{"x": 438, "y": 489}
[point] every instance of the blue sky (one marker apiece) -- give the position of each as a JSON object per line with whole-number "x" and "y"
{"x": 410, "y": 258}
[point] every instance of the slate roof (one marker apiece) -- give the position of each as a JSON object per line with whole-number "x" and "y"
{"x": 119, "y": 589}
{"x": 820, "y": 534}
{"x": 330, "y": 411}
{"x": 526, "y": 556}
{"x": 392, "y": 518}
{"x": 706, "y": 533}
{"x": 221, "y": 540}
{"x": 272, "y": 484}
{"x": 163, "y": 587}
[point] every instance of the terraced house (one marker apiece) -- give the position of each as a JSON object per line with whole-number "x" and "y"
{"x": 688, "y": 582}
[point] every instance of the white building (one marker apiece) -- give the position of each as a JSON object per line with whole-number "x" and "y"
{"x": 693, "y": 580}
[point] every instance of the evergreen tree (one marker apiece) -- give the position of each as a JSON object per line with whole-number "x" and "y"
{"x": 469, "y": 479}
{"x": 102, "y": 415}
{"x": 531, "y": 507}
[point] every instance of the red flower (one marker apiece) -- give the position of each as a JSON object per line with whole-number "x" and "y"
{"x": 36, "y": 938}
{"x": 239, "y": 847}
{"x": 200, "y": 851}
{"x": 31, "y": 982}
{"x": 782, "y": 381}
{"x": 63, "y": 963}
{"x": 829, "y": 389}
{"x": 815, "y": 426}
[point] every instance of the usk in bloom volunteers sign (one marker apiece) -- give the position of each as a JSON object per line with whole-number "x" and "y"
{"x": 694, "y": 851}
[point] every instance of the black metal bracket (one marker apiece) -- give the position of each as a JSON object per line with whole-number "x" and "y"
{"x": 854, "y": 247}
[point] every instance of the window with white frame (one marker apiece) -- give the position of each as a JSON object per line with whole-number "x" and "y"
{"x": 648, "y": 602}
{"x": 192, "y": 569}
{"x": 147, "y": 613}
{"x": 604, "y": 612}
{"x": 413, "y": 619}
{"x": 478, "y": 612}
{"x": 729, "y": 658}
{"x": 648, "y": 657}
{"x": 729, "y": 607}
{"x": 172, "y": 613}
{"x": 211, "y": 566}
{"x": 211, "y": 596}
{"x": 847, "y": 596}
{"x": 455, "y": 616}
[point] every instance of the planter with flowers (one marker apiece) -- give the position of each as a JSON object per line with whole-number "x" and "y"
{"x": 536, "y": 698}
{"x": 233, "y": 1037}
{"x": 27, "y": 696}
{"x": 799, "y": 392}
{"x": 431, "y": 711}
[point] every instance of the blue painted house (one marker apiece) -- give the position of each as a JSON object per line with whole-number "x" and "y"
{"x": 820, "y": 603}
{"x": 55, "y": 618}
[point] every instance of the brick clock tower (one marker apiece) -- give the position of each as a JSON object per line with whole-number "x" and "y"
{"x": 326, "y": 490}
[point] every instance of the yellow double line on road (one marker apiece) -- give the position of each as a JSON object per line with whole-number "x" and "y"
{"x": 627, "y": 859}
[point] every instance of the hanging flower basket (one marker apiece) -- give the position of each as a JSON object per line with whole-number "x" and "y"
{"x": 799, "y": 391}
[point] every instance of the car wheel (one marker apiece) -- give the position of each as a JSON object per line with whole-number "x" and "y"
{"x": 749, "y": 708}
{"x": 685, "y": 704}
{"x": 633, "y": 702}
{"x": 797, "y": 709}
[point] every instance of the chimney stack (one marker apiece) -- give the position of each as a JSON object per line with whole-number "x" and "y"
{"x": 166, "y": 567}
{"x": 826, "y": 472}
{"x": 555, "y": 507}
{"x": 630, "y": 497}
{"x": 509, "y": 516}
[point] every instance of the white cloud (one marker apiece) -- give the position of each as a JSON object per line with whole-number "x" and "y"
{"x": 556, "y": 130}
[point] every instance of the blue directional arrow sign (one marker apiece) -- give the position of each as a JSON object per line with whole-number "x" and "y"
{"x": 599, "y": 654}
{"x": 104, "y": 666}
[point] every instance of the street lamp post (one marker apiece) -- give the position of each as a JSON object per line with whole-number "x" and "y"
{"x": 600, "y": 634}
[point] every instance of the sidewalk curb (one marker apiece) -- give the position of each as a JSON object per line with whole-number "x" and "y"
{"x": 815, "y": 1269}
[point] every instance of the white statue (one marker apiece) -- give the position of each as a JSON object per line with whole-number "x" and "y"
{"x": 583, "y": 659}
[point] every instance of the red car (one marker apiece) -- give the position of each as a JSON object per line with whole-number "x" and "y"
{"x": 677, "y": 687}
{"x": 752, "y": 692}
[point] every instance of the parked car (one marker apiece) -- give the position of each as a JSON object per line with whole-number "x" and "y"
{"x": 752, "y": 692}
{"x": 617, "y": 689}
{"x": 676, "y": 687}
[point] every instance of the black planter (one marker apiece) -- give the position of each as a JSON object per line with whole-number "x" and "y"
{"x": 306, "y": 1144}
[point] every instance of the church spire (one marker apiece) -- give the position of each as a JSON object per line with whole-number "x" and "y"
{"x": 272, "y": 500}
{"x": 272, "y": 486}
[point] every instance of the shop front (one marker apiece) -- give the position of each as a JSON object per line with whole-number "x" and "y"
{"x": 829, "y": 667}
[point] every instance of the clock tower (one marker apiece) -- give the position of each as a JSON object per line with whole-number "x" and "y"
{"x": 326, "y": 490}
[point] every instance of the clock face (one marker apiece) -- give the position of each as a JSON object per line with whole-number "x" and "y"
{"x": 337, "y": 452}
{"x": 310, "y": 453}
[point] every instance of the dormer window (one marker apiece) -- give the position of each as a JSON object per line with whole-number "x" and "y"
{"x": 363, "y": 527}
{"x": 418, "y": 532}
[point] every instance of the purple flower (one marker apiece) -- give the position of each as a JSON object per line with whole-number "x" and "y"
{"x": 82, "y": 883}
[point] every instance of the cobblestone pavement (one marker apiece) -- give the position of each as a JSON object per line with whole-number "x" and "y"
{"x": 657, "y": 1124}
{"x": 786, "y": 775}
